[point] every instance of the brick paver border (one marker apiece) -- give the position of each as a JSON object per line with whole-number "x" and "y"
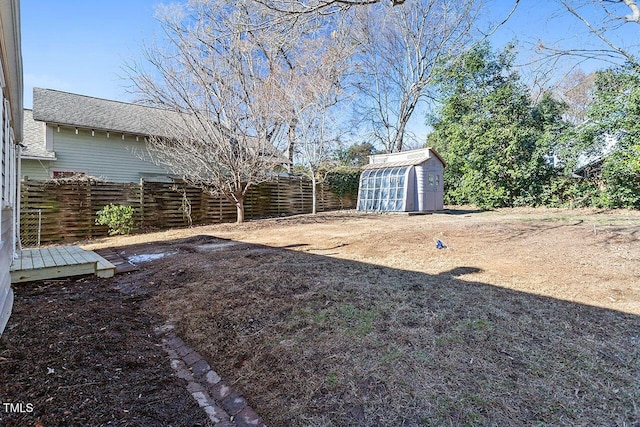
{"x": 224, "y": 405}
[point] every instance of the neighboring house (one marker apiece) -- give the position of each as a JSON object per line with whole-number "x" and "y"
{"x": 593, "y": 169}
{"x": 409, "y": 181}
{"x": 35, "y": 158}
{"x": 68, "y": 134}
{"x": 590, "y": 166}
{"x": 10, "y": 136}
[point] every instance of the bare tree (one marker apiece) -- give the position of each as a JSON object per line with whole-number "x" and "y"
{"x": 313, "y": 98}
{"x": 318, "y": 131}
{"x": 400, "y": 49}
{"x": 309, "y": 76}
{"x": 287, "y": 44}
{"x": 603, "y": 19}
{"x": 317, "y": 134}
{"x": 325, "y": 7}
{"x": 576, "y": 90}
{"x": 215, "y": 72}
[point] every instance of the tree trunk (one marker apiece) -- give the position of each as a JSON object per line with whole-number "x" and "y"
{"x": 291, "y": 146}
{"x": 290, "y": 151}
{"x": 240, "y": 210}
{"x": 314, "y": 197}
{"x": 398, "y": 140}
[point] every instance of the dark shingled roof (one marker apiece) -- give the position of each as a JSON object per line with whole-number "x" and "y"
{"x": 70, "y": 109}
{"x": 34, "y": 139}
{"x": 63, "y": 108}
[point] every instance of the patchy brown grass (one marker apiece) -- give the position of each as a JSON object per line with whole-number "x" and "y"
{"x": 529, "y": 317}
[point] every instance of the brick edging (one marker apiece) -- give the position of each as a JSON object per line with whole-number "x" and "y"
{"x": 224, "y": 406}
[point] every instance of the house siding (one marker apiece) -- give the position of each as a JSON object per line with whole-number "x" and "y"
{"x": 111, "y": 159}
{"x": 35, "y": 169}
{"x": 10, "y": 133}
{"x": 6, "y": 256}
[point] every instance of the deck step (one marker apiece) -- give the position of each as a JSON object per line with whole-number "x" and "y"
{"x": 58, "y": 262}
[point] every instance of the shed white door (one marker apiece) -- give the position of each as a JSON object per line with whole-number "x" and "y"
{"x": 432, "y": 188}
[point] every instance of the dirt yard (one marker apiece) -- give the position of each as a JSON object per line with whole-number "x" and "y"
{"x": 81, "y": 353}
{"x": 525, "y": 317}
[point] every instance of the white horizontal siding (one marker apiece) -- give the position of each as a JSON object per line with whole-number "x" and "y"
{"x": 6, "y": 256}
{"x": 6, "y": 298}
{"x": 7, "y": 233}
{"x": 112, "y": 159}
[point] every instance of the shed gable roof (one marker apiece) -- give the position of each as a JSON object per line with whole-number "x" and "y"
{"x": 63, "y": 108}
{"x": 404, "y": 158}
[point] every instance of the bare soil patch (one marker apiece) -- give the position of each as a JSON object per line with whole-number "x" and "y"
{"x": 527, "y": 317}
{"x": 82, "y": 353}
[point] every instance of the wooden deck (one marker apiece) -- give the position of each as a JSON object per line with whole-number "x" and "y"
{"x": 56, "y": 262}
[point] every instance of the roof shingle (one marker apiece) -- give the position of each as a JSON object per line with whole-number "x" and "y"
{"x": 70, "y": 109}
{"x": 63, "y": 108}
{"x": 34, "y": 139}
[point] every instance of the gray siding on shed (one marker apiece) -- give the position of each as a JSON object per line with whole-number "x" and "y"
{"x": 429, "y": 192}
{"x": 112, "y": 159}
{"x": 422, "y": 188}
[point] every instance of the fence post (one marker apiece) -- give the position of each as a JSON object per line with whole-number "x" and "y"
{"x": 278, "y": 198}
{"x": 301, "y": 187}
{"x": 89, "y": 199}
{"x": 141, "y": 201}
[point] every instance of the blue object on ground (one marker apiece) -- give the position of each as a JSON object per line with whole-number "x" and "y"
{"x": 439, "y": 244}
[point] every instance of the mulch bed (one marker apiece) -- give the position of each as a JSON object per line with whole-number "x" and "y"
{"x": 81, "y": 352}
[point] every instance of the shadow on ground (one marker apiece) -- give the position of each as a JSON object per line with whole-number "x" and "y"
{"x": 315, "y": 340}
{"x": 311, "y": 339}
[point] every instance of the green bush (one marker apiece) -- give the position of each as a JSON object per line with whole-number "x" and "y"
{"x": 118, "y": 218}
{"x": 566, "y": 192}
{"x": 621, "y": 175}
{"x": 344, "y": 182}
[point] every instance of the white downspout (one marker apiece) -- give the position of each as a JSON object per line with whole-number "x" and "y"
{"x": 17, "y": 243}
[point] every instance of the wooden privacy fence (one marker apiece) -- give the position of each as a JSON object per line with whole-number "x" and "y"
{"x": 68, "y": 208}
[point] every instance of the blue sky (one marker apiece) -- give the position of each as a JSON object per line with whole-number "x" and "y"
{"x": 547, "y": 21}
{"x": 81, "y": 46}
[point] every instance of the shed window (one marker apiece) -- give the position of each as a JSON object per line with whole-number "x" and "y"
{"x": 382, "y": 189}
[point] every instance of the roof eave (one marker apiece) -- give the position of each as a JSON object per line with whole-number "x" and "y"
{"x": 98, "y": 129}
{"x": 51, "y": 159}
{"x": 430, "y": 153}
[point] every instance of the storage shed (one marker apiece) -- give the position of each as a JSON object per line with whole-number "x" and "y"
{"x": 410, "y": 181}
